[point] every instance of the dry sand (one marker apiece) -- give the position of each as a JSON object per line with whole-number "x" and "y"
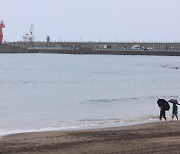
{"x": 151, "y": 138}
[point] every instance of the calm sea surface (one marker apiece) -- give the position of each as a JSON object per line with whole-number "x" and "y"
{"x": 55, "y": 92}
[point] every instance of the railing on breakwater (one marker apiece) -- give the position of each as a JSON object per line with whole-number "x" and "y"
{"x": 119, "y": 49}
{"x": 49, "y": 48}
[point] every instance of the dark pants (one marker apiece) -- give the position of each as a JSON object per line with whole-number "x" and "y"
{"x": 162, "y": 114}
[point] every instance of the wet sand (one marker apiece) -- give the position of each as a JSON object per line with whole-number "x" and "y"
{"x": 154, "y": 138}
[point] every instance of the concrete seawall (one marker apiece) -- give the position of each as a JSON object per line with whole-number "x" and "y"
{"x": 4, "y": 48}
{"x": 109, "y": 52}
{"x": 87, "y": 48}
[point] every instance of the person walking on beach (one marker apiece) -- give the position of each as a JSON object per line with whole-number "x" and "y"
{"x": 164, "y": 106}
{"x": 174, "y": 111}
{"x": 162, "y": 113}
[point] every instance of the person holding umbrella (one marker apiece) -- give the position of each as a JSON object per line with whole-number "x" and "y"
{"x": 164, "y": 106}
{"x": 174, "y": 108}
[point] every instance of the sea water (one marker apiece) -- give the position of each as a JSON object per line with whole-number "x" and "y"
{"x": 58, "y": 92}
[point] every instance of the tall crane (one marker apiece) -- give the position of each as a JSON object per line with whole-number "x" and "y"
{"x": 2, "y": 25}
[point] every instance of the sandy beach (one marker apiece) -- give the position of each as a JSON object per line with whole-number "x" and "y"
{"x": 156, "y": 137}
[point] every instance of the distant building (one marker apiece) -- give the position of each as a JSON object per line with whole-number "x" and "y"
{"x": 29, "y": 37}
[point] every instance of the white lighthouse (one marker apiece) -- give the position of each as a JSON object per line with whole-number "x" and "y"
{"x": 29, "y": 37}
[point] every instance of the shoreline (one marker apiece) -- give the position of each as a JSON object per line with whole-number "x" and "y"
{"x": 77, "y": 128}
{"x": 155, "y": 137}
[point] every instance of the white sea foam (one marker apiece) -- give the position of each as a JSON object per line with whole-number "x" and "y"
{"x": 84, "y": 124}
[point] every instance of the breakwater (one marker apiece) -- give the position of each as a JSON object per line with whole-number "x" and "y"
{"x": 114, "y": 48}
{"x": 5, "y": 48}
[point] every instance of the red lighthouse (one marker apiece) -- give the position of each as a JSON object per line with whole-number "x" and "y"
{"x": 2, "y": 25}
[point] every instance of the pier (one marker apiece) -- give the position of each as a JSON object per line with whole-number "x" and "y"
{"x": 114, "y": 48}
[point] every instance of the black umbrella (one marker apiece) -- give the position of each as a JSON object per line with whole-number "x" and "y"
{"x": 175, "y": 101}
{"x": 163, "y": 104}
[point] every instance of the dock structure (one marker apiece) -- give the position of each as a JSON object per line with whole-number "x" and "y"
{"x": 115, "y": 48}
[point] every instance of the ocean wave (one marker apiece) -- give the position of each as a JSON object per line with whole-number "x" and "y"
{"x": 100, "y": 101}
{"x": 125, "y": 100}
{"x": 171, "y": 67}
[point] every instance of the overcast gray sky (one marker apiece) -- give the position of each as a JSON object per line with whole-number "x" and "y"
{"x": 92, "y": 20}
